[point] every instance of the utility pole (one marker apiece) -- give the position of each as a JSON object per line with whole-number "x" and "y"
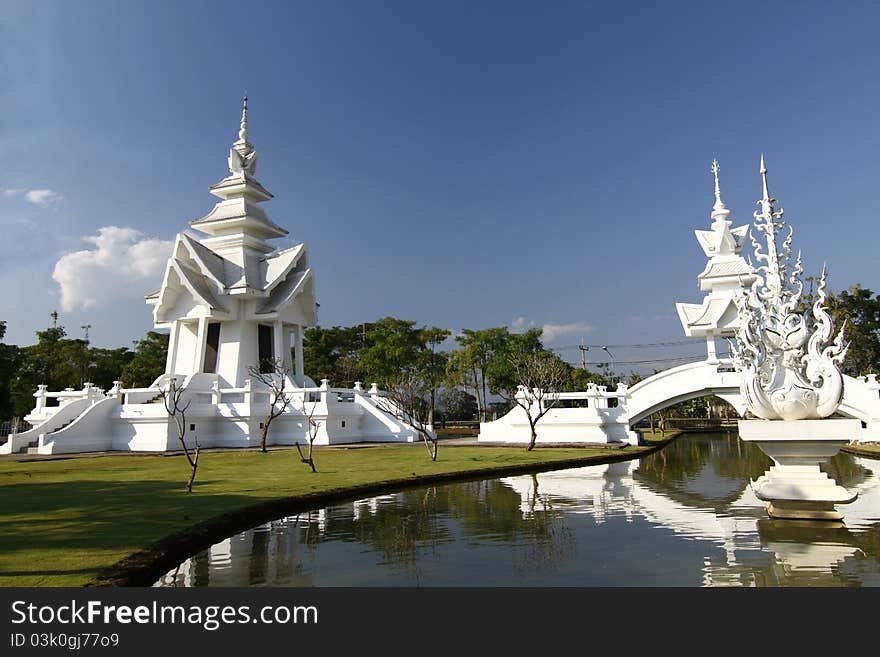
{"x": 54, "y": 316}
{"x": 584, "y": 349}
{"x": 86, "y": 328}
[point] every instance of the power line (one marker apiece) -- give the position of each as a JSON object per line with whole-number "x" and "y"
{"x": 658, "y": 360}
{"x": 644, "y": 345}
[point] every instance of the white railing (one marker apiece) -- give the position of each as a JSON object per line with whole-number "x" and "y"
{"x": 42, "y": 411}
{"x": 596, "y": 396}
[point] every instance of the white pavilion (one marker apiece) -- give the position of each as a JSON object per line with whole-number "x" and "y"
{"x": 231, "y": 302}
{"x": 726, "y": 273}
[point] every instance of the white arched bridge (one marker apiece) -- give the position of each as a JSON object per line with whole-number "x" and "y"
{"x": 602, "y": 415}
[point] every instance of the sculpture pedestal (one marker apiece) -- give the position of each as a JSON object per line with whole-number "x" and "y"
{"x": 795, "y": 487}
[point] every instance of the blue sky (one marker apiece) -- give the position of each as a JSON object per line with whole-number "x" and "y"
{"x": 461, "y": 164}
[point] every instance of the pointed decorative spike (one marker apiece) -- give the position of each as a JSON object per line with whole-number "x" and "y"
{"x": 764, "y": 179}
{"x": 243, "y": 129}
{"x": 719, "y": 210}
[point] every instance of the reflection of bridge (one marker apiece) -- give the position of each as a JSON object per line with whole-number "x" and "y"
{"x": 756, "y": 549}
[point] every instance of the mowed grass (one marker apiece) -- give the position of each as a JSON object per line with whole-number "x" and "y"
{"x": 65, "y": 521}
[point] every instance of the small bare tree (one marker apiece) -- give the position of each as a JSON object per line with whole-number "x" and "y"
{"x": 312, "y": 426}
{"x": 172, "y": 396}
{"x": 272, "y": 373}
{"x": 538, "y": 376}
{"x": 406, "y": 400}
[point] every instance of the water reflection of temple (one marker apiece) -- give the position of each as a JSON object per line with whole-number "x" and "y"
{"x": 694, "y": 490}
{"x": 718, "y": 507}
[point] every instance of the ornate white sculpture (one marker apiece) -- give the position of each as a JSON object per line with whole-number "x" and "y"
{"x": 781, "y": 379}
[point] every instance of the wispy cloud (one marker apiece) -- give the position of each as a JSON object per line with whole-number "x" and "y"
{"x": 125, "y": 264}
{"x": 549, "y": 332}
{"x": 552, "y": 331}
{"x": 42, "y": 197}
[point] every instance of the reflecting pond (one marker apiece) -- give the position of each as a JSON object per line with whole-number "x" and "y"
{"x": 683, "y": 516}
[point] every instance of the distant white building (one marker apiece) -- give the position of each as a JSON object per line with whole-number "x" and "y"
{"x": 231, "y": 302}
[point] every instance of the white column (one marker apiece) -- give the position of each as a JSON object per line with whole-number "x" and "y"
{"x": 172, "y": 347}
{"x": 711, "y": 356}
{"x": 201, "y": 341}
{"x": 278, "y": 337}
{"x": 298, "y": 353}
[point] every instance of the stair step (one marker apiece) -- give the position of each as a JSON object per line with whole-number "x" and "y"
{"x": 33, "y": 450}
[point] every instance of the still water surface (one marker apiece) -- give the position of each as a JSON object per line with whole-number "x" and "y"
{"x": 683, "y": 516}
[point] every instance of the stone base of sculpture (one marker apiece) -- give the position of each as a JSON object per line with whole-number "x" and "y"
{"x": 795, "y": 487}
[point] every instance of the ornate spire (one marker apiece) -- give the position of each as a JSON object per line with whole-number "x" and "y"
{"x": 242, "y": 131}
{"x": 766, "y": 198}
{"x": 242, "y": 156}
{"x": 719, "y": 210}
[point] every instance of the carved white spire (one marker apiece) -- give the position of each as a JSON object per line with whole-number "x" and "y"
{"x": 721, "y": 240}
{"x": 242, "y": 156}
{"x": 242, "y": 130}
{"x": 719, "y": 210}
{"x": 238, "y": 226}
{"x": 789, "y": 370}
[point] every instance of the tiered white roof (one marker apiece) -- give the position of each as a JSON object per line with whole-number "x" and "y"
{"x": 236, "y": 258}
{"x": 726, "y": 271}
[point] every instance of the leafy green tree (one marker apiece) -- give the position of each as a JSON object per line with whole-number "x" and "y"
{"x": 859, "y": 307}
{"x": 148, "y": 362}
{"x": 503, "y": 371}
{"x": 579, "y": 379}
{"x": 9, "y": 362}
{"x": 107, "y": 365}
{"x": 467, "y": 365}
{"x": 533, "y": 377}
{"x": 332, "y": 354}
{"x": 394, "y": 346}
{"x": 457, "y": 404}
{"x": 53, "y": 360}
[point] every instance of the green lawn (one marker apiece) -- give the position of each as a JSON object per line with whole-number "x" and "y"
{"x": 869, "y": 450}
{"x": 65, "y": 521}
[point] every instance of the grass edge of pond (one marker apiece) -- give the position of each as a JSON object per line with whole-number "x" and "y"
{"x": 145, "y": 567}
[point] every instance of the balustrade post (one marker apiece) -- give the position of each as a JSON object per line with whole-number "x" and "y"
{"x": 40, "y": 394}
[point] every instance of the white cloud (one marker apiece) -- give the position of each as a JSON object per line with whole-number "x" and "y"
{"x": 521, "y": 325}
{"x": 549, "y": 332}
{"x": 552, "y": 331}
{"x": 42, "y": 197}
{"x": 124, "y": 265}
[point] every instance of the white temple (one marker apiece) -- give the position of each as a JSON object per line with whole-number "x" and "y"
{"x": 230, "y": 299}
{"x": 231, "y": 302}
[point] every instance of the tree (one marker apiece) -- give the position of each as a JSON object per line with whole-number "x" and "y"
{"x": 148, "y": 362}
{"x": 332, "y": 354}
{"x": 312, "y": 427}
{"x": 9, "y": 363}
{"x": 468, "y": 364}
{"x": 275, "y": 379}
{"x": 434, "y": 363}
{"x": 859, "y": 308}
{"x": 456, "y": 404}
{"x": 394, "y": 346}
{"x": 107, "y": 365}
{"x": 172, "y": 395}
{"x": 406, "y": 400}
{"x": 538, "y": 376}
